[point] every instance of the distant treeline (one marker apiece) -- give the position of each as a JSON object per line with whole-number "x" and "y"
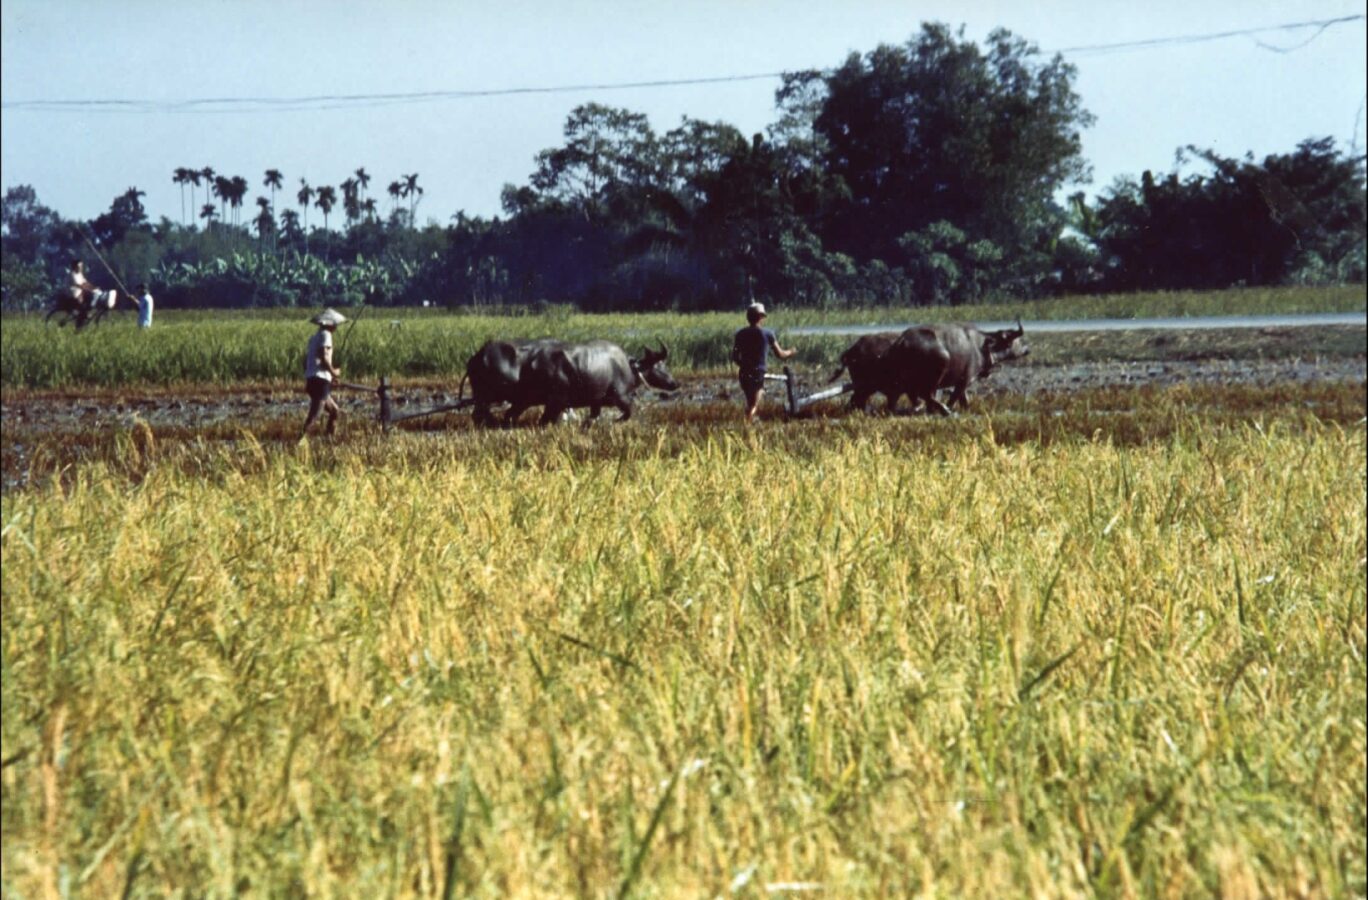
{"x": 919, "y": 174}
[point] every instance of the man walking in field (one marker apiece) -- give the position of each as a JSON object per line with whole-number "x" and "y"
{"x": 750, "y": 352}
{"x": 319, "y": 371}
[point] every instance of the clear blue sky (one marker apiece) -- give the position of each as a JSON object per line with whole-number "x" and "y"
{"x": 1232, "y": 95}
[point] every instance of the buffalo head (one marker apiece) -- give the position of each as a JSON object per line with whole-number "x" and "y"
{"x": 651, "y": 368}
{"x": 1010, "y": 343}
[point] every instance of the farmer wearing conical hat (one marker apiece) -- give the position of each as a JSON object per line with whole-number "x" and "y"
{"x": 319, "y": 371}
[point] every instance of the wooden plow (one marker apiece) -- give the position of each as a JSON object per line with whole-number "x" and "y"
{"x": 387, "y": 416}
{"x": 795, "y": 404}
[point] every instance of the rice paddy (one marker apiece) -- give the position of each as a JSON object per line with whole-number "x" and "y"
{"x": 1103, "y": 643}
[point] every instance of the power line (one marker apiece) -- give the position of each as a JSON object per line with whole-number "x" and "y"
{"x": 1148, "y": 43}
{"x": 321, "y": 102}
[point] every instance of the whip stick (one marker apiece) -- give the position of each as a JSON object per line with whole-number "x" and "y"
{"x": 127, "y": 293}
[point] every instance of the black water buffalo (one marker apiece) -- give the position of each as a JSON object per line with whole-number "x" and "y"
{"x": 869, "y": 374}
{"x": 927, "y": 358}
{"x": 558, "y": 376}
{"x": 81, "y": 311}
{"x": 494, "y": 372}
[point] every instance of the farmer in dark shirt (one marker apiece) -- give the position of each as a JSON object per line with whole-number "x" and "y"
{"x": 750, "y": 350}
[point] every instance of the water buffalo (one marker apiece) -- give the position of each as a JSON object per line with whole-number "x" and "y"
{"x": 561, "y": 376}
{"x": 81, "y": 311}
{"x": 869, "y": 375}
{"x": 494, "y": 371}
{"x": 927, "y": 358}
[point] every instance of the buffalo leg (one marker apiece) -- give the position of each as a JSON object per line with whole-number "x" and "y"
{"x": 551, "y": 414}
{"x": 511, "y": 417}
{"x": 626, "y": 406}
{"x": 934, "y": 405}
{"x": 859, "y": 399}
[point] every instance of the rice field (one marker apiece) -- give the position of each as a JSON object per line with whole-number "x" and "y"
{"x": 219, "y": 347}
{"x": 844, "y": 657}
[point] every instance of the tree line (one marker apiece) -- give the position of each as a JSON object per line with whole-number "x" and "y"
{"x": 923, "y": 173}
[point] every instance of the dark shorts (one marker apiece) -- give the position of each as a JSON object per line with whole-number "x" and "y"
{"x": 752, "y": 382}
{"x": 320, "y": 389}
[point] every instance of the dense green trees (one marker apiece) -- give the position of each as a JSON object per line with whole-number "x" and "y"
{"x": 928, "y": 172}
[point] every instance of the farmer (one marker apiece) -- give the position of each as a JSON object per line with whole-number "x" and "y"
{"x": 144, "y": 306}
{"x": 80, "y": 290}
{"x": 319, "y": 371}
{"x": 750, "y": 351}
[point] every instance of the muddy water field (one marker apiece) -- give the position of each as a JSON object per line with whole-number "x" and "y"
{"x": 1319, "y": 370}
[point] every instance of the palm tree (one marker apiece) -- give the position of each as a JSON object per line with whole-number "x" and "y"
{"x": 193, "y": 175}
{"x": 208, "y": 213}
{"x": 181, "y": 176}
{"x": 289, "y": 224}
{"x": 368, "y": 207}
{"x": 362, "y": 180}
{"x": 326, "y": 200}
{"x": 396, "y": 190}
{"x": 238, "y": 185}
{"x": 208, "y": 174}
{"x": 349, "y": 201}
{"x": 265, "y": 221}
{"x": 273, "y": 181}
{"x": 411, "y": 189}
{"x": 305, "y": 197}
{"x": 223, "y": 189}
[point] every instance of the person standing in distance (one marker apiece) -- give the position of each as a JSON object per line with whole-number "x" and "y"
{"x": 144, "y": 306}
{"x": 750, "y": 352}
{"x": 319, "y": 370}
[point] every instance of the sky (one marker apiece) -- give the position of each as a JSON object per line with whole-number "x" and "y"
{"x": 1260, "y": 93}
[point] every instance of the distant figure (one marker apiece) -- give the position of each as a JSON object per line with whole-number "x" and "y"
{"x": 80, "y": 290}
{"x": 319, "y": 370}
{"x": 750, "y": 352}
{"x": 144, "y": 306}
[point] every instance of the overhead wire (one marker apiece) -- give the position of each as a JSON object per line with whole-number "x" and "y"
{"x": 324, "y": 102}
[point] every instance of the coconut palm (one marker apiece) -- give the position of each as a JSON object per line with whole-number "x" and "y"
{"x": 396, "y": 190}
{"x": 208, "y": 213}
{"x": 368, "y": 207}
{"x": 273, "y": 181}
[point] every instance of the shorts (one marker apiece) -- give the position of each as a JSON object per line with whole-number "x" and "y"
{"x": 752, "y": 382}
{"x": 320, "y": 389}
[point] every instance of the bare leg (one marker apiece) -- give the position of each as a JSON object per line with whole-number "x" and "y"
{"x": 334, "y": 413}
{"x": 755, "y": 406}
{"x": 314, "y": 406}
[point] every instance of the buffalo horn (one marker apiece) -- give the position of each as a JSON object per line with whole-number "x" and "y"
{"x": 1020, "y": 330}
{"x": 664, "y": 352}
